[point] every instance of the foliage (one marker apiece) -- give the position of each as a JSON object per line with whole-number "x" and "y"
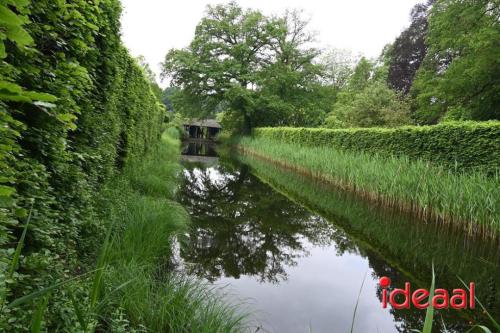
{"x": 366, "y": 101}
{"x": 166, "y": 97}
{"x": 145, "y": 217}
{"x": 362, "y": 75}
{"x": 405, "y": 244}
{"x": 467, "y": 200}
{"x": 375, "y": 105}
{"x": 338, "y": 67}
{"x": 259, "y": 68}
{"x": 151, "y": 76}
{"x": 459, "y": 76}
{"x": 75, "y": 107}
{"x": 408, "y": 50}
{"x": 458, "y": 146}
{"x": 127, "y": 292}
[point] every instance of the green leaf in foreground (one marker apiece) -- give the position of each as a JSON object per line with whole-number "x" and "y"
{"x": 20, "y": 244}
{"x": 481, "y": 327}
{"x": 41, "y": 292}
{"x": 429, "y": 315}
{"x": 36, "y": 325}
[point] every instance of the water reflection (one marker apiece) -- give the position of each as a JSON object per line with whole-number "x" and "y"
{"x": 200, "y": 151}
{"x": 198, "y": 148}
{"x": 240, "y": 228}
{"x": 302, "y": 270}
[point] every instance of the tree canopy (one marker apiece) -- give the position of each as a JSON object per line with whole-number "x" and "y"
{"x": 408, "y": 50}
{"x": 460, "y": 76}
{"x": 254, "y": 70}
{"x": 257, "y": 69}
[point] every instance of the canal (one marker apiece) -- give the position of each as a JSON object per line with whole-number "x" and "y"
{"x": 294, "y": 253}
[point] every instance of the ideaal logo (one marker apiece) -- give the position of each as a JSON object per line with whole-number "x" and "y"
{"x": 401, "y": 298}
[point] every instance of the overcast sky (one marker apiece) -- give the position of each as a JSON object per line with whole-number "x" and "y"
{"x": 152, "y": 27}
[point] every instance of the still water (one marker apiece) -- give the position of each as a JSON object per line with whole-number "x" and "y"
{"x": 296, "y": 252}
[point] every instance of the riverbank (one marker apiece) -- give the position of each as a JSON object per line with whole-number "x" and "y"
{"x": 132, "y": 284}
{"x": 276, "y": 236}
{"x": 144, "y": 218}
{"x": 407, "y": 246}
{"x": 469, "y": 201}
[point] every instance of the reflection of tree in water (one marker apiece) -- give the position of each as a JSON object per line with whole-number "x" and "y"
{"x": 241, "y": 227}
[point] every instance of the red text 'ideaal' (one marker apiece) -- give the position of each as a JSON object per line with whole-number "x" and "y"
{"x": 442, "y": 299}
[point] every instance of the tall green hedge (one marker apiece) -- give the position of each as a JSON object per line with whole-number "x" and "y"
{"x": 74, "y": 107}
{"x": 459, "y": 146}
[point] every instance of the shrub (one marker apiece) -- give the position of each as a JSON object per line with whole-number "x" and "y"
{"x": 74, "y": 108}
{"x": 456, "y": 145}
{"x": 375, "y": 105}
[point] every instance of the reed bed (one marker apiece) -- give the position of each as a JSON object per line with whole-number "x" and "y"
{"x": 410, "y": 246}
{"x": 470, "y": 201}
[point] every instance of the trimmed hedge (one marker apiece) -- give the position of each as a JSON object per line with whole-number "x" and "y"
{"x": 74, "y": 108}
{"x": 457, "y": 145}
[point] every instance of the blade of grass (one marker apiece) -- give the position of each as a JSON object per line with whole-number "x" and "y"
{"x": 101, "y": 262}
{"x": 41, "y": 292}
{"x": 429, "y": 315}
{"x": 103, "y": 302}
{"x": 36, "y": 325}
{"x": 79, "y": 313}
{"x": 483, "y": 328}
{"x": 19, "y": 247}
{"x": 357, "y": 303}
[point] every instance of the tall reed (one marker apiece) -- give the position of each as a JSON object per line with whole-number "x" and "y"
{"x": 469, "y": 200}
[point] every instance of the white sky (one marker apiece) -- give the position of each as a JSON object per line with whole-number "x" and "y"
{"x": 152, "y": 27}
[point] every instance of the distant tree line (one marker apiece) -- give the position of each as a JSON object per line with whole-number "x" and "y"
{"x": 250, "y": 70}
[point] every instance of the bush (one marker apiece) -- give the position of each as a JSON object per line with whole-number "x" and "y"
{"x": 375, "y": 105}
{"x": 456, "y": 145}
{"x": 74, "y": 108}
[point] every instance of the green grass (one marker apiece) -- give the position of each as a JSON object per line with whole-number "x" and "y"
{"x": 145, "y": 217}
{"x": 470, "y": 200}
{"x": 133, "y": 286}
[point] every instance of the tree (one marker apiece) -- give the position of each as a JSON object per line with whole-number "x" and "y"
{"x": 229, "y": 50}
{"x": 376, "y": 105}
{"x": 167, "y": 96}
{"x": 460, "y": 76}
{"x": 258, "y": 68}
{"x": 289, "y": 87}
{"x": 150, "y": 75}
{"x": 338, "y": 67}
{"x": 408, "y": 50}
{"x": 367, "y": 101}
{"x": 361, "y": 75}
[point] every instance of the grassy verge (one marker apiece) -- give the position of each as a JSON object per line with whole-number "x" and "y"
{"x": 133, "y": 285}
{"x": 144, "y": 294}
{"x": 469, "y": 200}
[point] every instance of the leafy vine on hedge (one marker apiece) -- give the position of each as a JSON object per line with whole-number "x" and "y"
{"x": 74, "y": 108}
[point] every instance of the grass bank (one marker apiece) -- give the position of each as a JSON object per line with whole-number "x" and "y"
{"x": 470, "y": 201}
{"x": 144, "y": 217}
{"x": 133, "y": 285}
